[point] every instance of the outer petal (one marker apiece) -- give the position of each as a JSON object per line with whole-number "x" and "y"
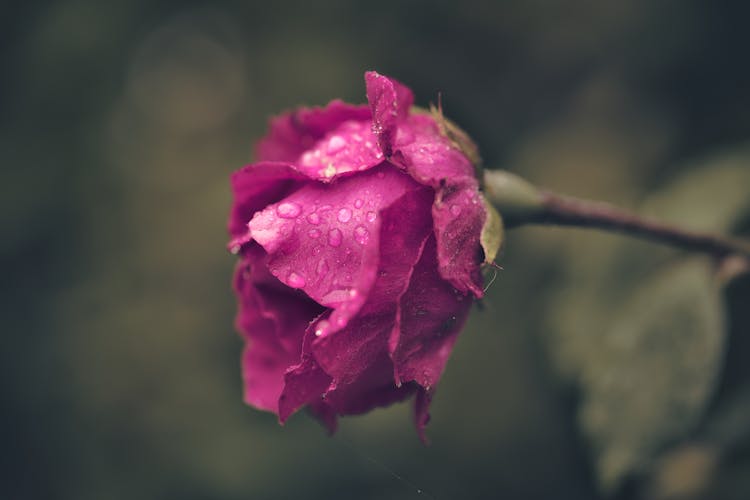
{"x": 389, "y": 102}
{"x": 325, "y": 240}
{"x": 459, "y": 216}
{"x": 374, "y": 388}
{"x": 433, "y": 160}
{"x": 356, "y": 357}
{"x": 273, "y": 319}
{"x": 347, "y": 354}
{"x": 254, "y": 187}
{"x": 431, "y": 315}
{"x": 292, "y": 133}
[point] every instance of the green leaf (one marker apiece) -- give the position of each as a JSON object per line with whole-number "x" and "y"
{"x": 640, "y": 329}
{"x": 650, "y": 374}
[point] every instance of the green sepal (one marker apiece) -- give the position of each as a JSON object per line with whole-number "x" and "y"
{"x": 491, "y": 237}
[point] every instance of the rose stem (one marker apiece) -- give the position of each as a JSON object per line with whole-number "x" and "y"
{"x": 529, "y": 205}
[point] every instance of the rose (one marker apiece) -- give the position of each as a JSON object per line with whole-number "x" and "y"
{"x": 358, "y": 232}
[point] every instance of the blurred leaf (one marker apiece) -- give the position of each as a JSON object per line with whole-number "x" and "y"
{"x": 712, "y": 196}
{"x": 641, "y": 330}
{"x": 650, "y": 375}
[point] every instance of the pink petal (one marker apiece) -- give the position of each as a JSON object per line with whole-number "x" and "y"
{"x": 325, "y": 240}
{"x": 254, "y": 187}
{"x": 431, "y": 315}
{"x": 305, "y": 383}
{"x": 459, "y": 217}
{"x": 273, "y": 320}
{"x": 348, "y": 353}
{"x": 431, "y": 159}
{"x": 374, "y": 388}
{"x": 356, "y": 357}
{"x": 292, "y": 133}
{"x": 389, "y": 103}
{"x": 350, "y": 147}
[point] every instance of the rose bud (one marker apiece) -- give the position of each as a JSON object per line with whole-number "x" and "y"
{"x": 361, "y": 233}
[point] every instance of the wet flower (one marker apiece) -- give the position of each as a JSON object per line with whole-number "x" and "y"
{"x": 358, "y": 232}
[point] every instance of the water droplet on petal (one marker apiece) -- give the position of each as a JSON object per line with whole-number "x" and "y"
{"x": 336, "y": 144}
{"x": 288, "y": 210}
{"x": 322, "y": 268}
{"x": 295, "y": 280}
{"x": 235, "y": 249}
{"x": 358, "y": 203}
{"x": 313, "y": 219}
{"x": 335, "y": 237}
{"x": 321, "y": 327}
{"x": 361, "y": 234}
{"x": 455, "y": 210}
{"x": 371, "y": 216}
{"x": 345, "y": 215}
{"x": 308, "y": 158}
{"x": 313, "y": 233}
{"x": 381, "y": 175}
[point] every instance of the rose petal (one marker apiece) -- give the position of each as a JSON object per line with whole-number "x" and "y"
{"x": 303, "y": 384}
{"x": 346, "y": 354}
{"x": 254, "y": 187}
{"x": 431, "y": 315}
{"x": 428, "y": 155}
{"x": 356, "y": 357}
{"x": 325, "y": 240}
{"x": 389, "y": 103}
{"x": 432, "y": 159}
{"x": 350, "y": 147}
{"x": 292, "y": 133}
{"x": 374, "y": 388}
{"x": 273, "y": 319}
{"x": 459, "y": 217}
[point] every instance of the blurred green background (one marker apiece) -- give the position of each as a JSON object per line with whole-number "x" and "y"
{"x": 120, "y": 123}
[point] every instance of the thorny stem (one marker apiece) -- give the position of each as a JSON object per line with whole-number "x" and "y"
{"x": 543, "y": 207}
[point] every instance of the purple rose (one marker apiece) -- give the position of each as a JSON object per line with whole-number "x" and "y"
{"x": 358, "y": 231}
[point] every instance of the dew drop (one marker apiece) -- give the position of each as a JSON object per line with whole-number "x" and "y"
{"x": 321, "y": 327}
{"x": 308, "y": 158}
{"x": 235, "y": 249}
{"x": 381, "y": 175}
{"x": 371, "y": 216}
{"x": 313, "y": 219}
{"x": 294, "y": 280}
{"x": 358, "y": 203}
{"x": 335, "y": 144}
{"x": 313, "y": 233}
{"x": 335, "y": 237}
{"x": 322, "y": 268}
{"x": 361, "y": 234}
{"x": 329, "y": 171}
{"x": 345, "y": 215}
{"x": 288, "y": 210}
{"x": 455, "y": 210}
